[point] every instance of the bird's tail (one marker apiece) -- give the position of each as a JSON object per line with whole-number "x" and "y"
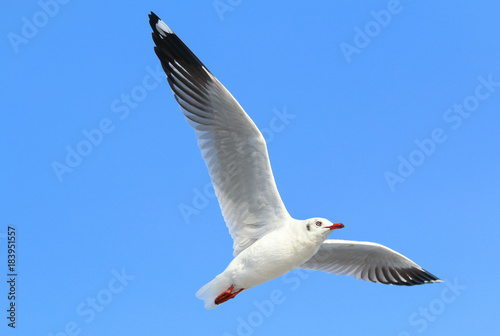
{"x": 213, "y": 289}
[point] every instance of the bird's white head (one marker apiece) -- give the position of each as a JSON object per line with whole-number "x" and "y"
{"x": 320, "y": 228}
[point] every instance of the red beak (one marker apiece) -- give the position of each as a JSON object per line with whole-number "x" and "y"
{"x": 335, "y": 226}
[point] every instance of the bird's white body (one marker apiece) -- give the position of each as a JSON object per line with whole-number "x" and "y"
{"x": 275, "y": 254}
{"x": 268, "y": 242}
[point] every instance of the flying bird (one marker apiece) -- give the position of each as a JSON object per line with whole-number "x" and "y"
{"x": 268, "y": 242}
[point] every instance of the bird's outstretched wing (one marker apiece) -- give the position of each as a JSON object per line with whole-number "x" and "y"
{"x": 233, "y": 148}
{"x": 368, "y": 261}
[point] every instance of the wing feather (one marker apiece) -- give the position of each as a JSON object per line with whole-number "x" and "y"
{"x": 368, "y": 261}
{"x": 233, "y": 148}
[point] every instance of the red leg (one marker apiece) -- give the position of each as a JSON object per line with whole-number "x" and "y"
{"x": 227, "y": 295}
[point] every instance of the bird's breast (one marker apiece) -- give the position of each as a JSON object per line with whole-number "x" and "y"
{"x": 268, "y": 258}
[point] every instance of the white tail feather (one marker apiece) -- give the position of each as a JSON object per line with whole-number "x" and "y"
{"x": 214, "y": 288}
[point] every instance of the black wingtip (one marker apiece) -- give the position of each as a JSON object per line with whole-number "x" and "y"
{"x": 170, "y": 49}
{"x": 414, "y": 276}
{"x": 153, "y": 20}
{"x": 153, "y": 17}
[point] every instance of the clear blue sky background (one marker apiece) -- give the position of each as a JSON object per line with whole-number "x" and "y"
{"x": 357, "y": 117}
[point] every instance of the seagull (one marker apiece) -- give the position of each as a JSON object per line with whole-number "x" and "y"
{"x": 267, "y": 241}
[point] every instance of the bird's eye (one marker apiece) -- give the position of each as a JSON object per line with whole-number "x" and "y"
{"x": 318, "y": 223}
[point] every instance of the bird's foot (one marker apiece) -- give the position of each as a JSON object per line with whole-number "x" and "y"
{"x": 227, "y": 295}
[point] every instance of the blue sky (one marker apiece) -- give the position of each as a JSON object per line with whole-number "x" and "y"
{"x": 381, "y": 115}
